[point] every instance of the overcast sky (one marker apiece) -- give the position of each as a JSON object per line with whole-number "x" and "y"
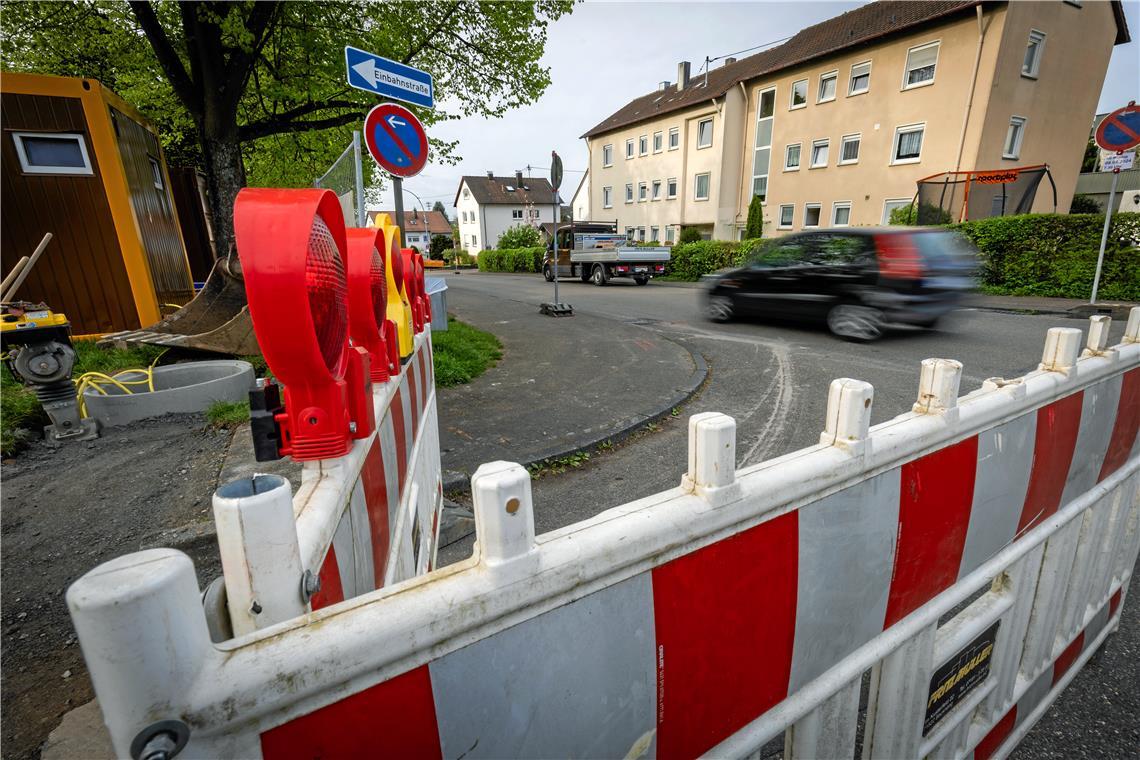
{"x": 605, "y": 54}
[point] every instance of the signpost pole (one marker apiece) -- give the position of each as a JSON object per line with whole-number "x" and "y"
{"x": 1104, "y": 235}
{"x": 555, "y": 235}
{"x": 398, "y": 190}
{"x": 361, "y": 214}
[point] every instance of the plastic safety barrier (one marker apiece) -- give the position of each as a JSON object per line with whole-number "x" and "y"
{"x": 961, "y": 561}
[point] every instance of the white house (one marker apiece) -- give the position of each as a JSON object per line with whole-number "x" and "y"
{"x": 580, "y": 203}
{"x": 488, "y": 206}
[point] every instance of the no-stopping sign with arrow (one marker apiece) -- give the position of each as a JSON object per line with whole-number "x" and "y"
{"x": 1120, "y": 130}
{"x": 396, "y": 139}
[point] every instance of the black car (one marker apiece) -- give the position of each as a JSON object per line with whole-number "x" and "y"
{"x": 857, "y": 280}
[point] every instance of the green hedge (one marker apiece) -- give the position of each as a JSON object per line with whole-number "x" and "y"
{"x": 1055, "y": 255}
{"x": 1028, "y": 255}
{"x": 511, "y": 260}
{"x": 691, "y": 260}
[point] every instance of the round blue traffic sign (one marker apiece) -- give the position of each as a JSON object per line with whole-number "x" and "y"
{"x": 1120, "y": 130}
{"x": 396, "y": 140}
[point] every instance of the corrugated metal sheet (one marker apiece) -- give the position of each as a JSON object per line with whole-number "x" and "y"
{"x": 82, "y": 271}
{"x": 154, "y": 209}
{"x": 1097, "y": 183}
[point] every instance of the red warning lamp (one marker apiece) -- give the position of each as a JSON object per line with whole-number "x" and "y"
{"x": 292, "y": 247}
{"x": 368, "y": 302}
{"x": 421, "y": 283}
{"x": 408, "y": 255}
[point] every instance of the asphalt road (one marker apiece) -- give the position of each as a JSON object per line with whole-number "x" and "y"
{"x": 773, "y": 379}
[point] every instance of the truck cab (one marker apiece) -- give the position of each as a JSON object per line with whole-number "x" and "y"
{"x": 596, "y": 252}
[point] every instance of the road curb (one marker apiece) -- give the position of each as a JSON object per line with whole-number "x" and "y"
{"x": 625, "y": 430}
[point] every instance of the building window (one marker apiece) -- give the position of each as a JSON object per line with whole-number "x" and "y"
{"x": 811, "y": 214}
{"x": 466, "y": 193}
{"x": 704, "y": 133}
{"x": 787, "y": 214}
{"x": 860, "y": 79}
{"x": 532, "y": 214}
{"x": 641, "y": 234}
{"x": 891, "y": 204}
{"x": 1033, "y": 52}
{"x": 629, "y": 193}
{"x": 629, "y": 233}
{"x": 642, "y": 192}
{"x": 827, "y": 86}
{"x": 643, "y": 146}
{"x": 654, "y": 233}
{"x": 701, "y": 187}
{"x": 1013, "y": 137}
{"x": 669, "y": 233}
{"x": 607, "y": 197}
{"x": 792, "y": 157}
{"x": 629, "y": 149}
{"x": 474, "y": 241}
{"x": 849, "y": 149}
{"x": 841, "y": 213}
{"x": 920, "y": 64}
{"x": 762, "y": 157}
{"x": 799, "y": 94}
{"x": 908, "y": 144}
{"x": 656, "y": 190}
{"x": 674, "y": 138}
{"x": 607, "y": 155}
{"x": 658, "y": 141}
{"x": 671, "y": 187}
{"x": 819, "y": 150}
{"x": 52, "y": 153}
{"x": 516, "y": 213}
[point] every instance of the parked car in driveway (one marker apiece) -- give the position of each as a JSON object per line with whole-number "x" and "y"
{"x": 859, "y": 281}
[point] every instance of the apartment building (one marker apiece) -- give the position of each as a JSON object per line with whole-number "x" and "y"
{"x": 489, "y": 206}
{"x": 835, "y": 126}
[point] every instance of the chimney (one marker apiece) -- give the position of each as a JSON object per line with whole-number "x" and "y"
{"x": 490, "y": 174}
{"x": 663, "y": 86}
{"x": 682, "y": 75}
{"x": 729, "y": 61}
{"x": 518, "y": 178}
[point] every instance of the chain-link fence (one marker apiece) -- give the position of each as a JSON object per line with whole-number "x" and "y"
{"x": 345, "y": 178}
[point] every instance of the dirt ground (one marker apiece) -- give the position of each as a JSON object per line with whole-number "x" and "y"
{"x": 152, "y": 477}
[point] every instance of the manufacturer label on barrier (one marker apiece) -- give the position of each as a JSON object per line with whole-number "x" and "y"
{"x": 963, "y": 673}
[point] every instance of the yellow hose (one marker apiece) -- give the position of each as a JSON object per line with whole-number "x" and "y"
{"x": 96, "y": 381}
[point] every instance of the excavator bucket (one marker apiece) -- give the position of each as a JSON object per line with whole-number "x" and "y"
{"x": 216, "y": 320}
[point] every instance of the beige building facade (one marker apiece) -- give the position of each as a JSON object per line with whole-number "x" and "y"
{"x": 832, "y": 134}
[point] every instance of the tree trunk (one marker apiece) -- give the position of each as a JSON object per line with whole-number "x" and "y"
{"x": 225, "y": 176}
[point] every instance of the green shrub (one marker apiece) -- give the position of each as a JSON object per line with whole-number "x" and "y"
{"x": 1084, "y": 204}
{"x": 512, "y": 260}
{"x": 754, "y": 226}
{"x": 439, "y": 244}
{"x": 519, "y": 236}
{"x": 927, "y": 214}
{"x": 690, "y": 235}
{"x": 227, "y": 414}
{"x": 465, "y": 258}
{"x": 1055, "y": 255}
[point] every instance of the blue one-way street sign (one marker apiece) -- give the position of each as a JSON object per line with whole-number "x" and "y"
{"x": 372, "y": 73}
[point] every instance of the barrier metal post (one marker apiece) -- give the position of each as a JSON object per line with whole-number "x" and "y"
{"x": 848, "y": 420}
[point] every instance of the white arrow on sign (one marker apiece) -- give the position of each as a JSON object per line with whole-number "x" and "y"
{"x": 394, "y": 121}
{"x": 367, "y": 70}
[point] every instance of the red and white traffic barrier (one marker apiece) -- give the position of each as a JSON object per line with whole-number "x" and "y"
{"x": 708, "y": 619}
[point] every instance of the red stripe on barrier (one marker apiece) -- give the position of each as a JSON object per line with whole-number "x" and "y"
{"x": 1126, "y": 427}
{"x": 725, "y": 619}
{"x": 1114, "y": 602}
{"x": 934, "y": 516}
{"x": 392, "y": 719}
{"x": 422, "y": 376}
{"x": 1057, "y": 428}
{"x": 396, "y": 406}
{"x": 331, "y": 589}
{"x": 998, "y": 734}
{"x": 376, "y": 498}
{"x": 1065, "y": 660}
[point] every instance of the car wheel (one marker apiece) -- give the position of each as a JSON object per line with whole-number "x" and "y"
{"x": 548, "y": 273}
{"x": 641, "y": 280}
{"x": 854, "y": 322}
{"x": 599, "y": 276}
{"x": 719, "y": 308}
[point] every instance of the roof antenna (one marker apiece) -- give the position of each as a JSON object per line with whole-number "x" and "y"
{"x": 707, "y": 59}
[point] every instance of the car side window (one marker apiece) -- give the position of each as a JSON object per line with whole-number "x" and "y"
{"x": 838, "y": 250}
{"x": 783, "y": 253}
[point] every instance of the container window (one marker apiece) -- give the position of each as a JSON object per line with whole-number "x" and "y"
{"x": 52, "y": 153}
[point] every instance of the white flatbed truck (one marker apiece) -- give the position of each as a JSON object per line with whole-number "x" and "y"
{"x": 596, "y": 253}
